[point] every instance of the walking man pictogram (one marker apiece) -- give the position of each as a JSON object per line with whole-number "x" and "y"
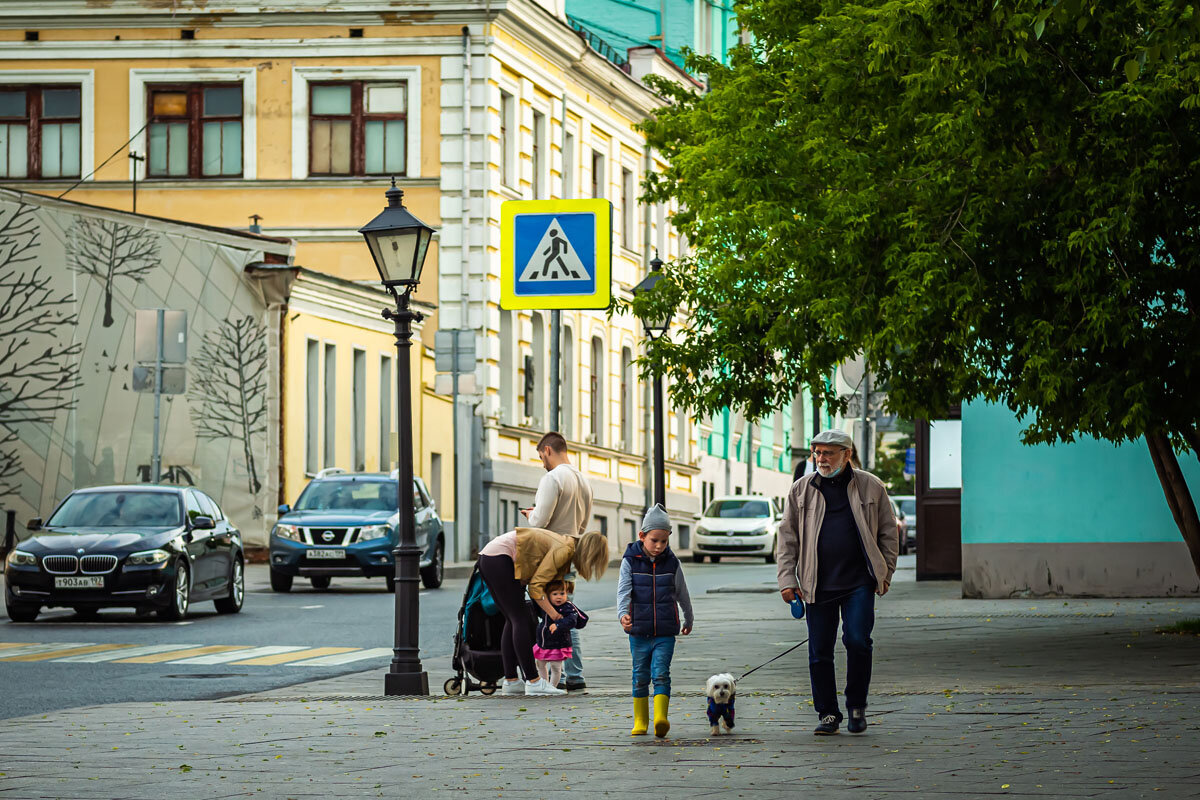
{"x": 558, "y": 246}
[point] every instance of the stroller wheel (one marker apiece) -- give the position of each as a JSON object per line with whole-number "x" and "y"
{"x": 453, "y": 686}
{"x": 488, "y": 687}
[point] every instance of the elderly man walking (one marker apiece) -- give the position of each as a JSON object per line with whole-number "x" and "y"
{"x": 837, "y": 550}
{"x": 564, "y": 505}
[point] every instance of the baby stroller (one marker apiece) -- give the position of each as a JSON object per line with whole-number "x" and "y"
{"x": 477, "y": 641}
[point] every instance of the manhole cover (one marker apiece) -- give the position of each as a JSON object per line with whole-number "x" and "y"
{"x": 210, "y": 675}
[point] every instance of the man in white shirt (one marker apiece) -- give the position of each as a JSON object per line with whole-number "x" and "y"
{"x": 564, "y": 505}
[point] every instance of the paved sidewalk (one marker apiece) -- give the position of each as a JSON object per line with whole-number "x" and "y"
{"x": 1052, "y": 698}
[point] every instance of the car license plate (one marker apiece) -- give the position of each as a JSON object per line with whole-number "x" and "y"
{"x": 79, "y": 582}
{"x": 326, "y": 554}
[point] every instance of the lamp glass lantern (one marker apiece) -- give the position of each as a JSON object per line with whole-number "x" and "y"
{"x": 658, "y": 326}
{"x": 398, "y": 242}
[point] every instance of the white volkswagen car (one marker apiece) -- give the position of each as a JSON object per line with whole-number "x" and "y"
{"x": 737, "y": 525}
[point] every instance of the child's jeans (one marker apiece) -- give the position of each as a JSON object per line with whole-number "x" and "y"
{"x": 651, "y": 661}
{"x": 550, "y": 671}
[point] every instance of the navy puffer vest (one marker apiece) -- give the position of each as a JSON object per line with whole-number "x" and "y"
{"x": 653, "y": 606}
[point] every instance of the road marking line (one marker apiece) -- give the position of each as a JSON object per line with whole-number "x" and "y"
{"x": 40, "y": 648}
{"x": 283, "y": 658}
{"x": 6, "y": 645}
{"x": 253, "y": 652}
{"x": 127, "y": 651}
{"x": 333, "y": 661}
{"x": 308, "y": 607}
{"x": 171, "y": 656}
{"x": 79, "y": 651}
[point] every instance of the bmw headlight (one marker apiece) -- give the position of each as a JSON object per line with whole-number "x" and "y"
{"x": 148, "y": 558}
{"x": 19, "y": 558}
{"x": 287, "y": 532}
{"x": 373, "y": 532}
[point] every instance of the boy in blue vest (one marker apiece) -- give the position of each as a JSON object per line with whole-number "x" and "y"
{"x": 650, "y": 592}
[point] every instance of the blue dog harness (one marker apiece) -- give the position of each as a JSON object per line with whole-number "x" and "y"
{"x": 718, "y": 711}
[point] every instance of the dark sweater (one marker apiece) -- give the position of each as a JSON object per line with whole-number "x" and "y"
{"x": 841, "y": 563}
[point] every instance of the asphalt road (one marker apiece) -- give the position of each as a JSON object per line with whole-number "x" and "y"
{"x": 121, "y": 657}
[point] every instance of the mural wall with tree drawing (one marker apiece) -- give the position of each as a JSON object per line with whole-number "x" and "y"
{"x": 228, "y": 388}
{"x": 109, "y": 250}
{"x": 39, "y": 369}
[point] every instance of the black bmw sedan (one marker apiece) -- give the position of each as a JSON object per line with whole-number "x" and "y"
{"x": 151, "y": 547}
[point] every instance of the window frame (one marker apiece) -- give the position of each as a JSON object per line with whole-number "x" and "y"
{"x": 140, "y": 81}
{"x": 195, "y": 121}
{"x": 358, "y": 118}
{"x": 33, "y": 120}
{"x": 302, "y": 76}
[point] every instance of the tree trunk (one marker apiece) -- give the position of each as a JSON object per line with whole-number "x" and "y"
{"x": 1179, "y": 498}
{"x": 108, "y": 317}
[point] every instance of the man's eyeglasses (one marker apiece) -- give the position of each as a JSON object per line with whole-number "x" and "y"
{"x": 827, "y": 453}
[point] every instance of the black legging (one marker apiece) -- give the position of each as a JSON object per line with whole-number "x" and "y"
{"x": 516, "y": 643}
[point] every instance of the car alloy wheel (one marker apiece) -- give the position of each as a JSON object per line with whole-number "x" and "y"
{"x": 237, "y": 591}
{"x": 431, "y": 576}
{"x": 179, "y": 596}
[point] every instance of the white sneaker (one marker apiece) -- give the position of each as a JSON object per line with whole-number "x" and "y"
{"x": 541, "y": 687}
{"x": 513, "y": 687}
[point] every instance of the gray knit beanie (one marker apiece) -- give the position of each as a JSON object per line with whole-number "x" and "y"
{"x": 656, "y": 519}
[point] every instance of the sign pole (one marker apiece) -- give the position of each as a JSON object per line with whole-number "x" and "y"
{"x": 156, "y": 458}
{"x": 555, "y": 366}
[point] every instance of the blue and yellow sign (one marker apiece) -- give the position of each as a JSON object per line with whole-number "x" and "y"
{"x": 555, "y": 254}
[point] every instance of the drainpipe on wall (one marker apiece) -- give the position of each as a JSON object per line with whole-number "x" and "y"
{"x": 462, "y": 460}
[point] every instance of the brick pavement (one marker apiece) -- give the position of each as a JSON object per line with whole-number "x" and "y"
{"x": 1053, "y": 698}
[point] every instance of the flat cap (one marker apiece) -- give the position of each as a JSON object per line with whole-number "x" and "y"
{"x": 834, "y": 437}
{"x": 656, "y": 519}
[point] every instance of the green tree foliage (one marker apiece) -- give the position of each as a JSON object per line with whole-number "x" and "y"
{"x": 985, "y": 199}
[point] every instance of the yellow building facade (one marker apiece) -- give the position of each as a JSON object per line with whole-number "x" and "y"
{"x": 291, "y": 119}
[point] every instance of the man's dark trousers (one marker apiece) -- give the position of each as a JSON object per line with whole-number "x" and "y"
{"x": 857, "y": 611}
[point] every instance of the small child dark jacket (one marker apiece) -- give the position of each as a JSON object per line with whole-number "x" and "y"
{"x": 652, "y": 599}
{"x": 572, "y": 617}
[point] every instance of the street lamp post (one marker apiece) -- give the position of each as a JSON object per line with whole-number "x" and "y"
{"x": 654, "y": 329}
{"x": 398, "y": 242}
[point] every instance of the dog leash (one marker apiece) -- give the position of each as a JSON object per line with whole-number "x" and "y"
{"x": 781, "y": 655}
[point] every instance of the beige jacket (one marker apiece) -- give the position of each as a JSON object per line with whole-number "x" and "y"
{"x": 543, "y": 556}
{"x": 802, "y": 518}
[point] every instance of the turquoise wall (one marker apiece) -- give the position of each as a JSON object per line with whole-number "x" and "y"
{"x": 1087, "y": 491}
{"x": 631, "y": 23}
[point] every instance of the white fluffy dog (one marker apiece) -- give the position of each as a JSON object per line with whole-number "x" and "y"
{"x": 720, "y": 689}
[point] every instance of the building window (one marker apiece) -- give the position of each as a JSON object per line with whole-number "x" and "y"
{"x": 597, "y": 390}
{"x": 539, "y": 155}
{"x": 568, "y": 167}
{"x": 385, "y": 413}
{"x": 358, "y": 128}
{"x": 628, "y": 203}
{"x": 435, "y": 478}
{"x": 359, "y": 412}
{"x": 597, "y": 174}
{"x": 626, "y": 399}
{"x": 39, "y": 132}
{"x": 507, "y": 129}
{"x": 312, "y": 408}
{"x": 195, "y": 131}
{"x": 330, "y": 406}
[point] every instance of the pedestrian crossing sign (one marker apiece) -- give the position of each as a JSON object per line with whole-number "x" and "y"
{"x": 555, "y": 254}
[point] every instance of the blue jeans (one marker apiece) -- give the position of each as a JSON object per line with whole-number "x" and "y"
{"x": 573, "y": 666}
{"x": 651, "y": 660}
{"x": 857, "y": 611}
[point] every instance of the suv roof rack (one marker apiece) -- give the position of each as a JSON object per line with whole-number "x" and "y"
{"x": 325, "y": 473}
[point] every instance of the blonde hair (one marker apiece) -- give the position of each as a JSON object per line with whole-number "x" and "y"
{"x": 591, "y": 555}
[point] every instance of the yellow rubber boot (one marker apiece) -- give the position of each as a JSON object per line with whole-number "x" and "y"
{"x": 641, "y": 716}
{"x": 661, "y": 724}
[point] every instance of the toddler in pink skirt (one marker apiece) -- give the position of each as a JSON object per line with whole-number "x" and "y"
{"x": 552, "y": 645}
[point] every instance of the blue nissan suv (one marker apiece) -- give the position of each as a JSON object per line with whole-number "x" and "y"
{"x": 346, "y": 525}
